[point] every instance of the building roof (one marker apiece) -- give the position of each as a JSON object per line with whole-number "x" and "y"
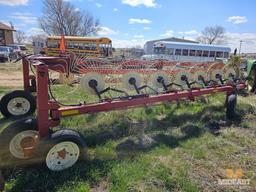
{"x": 5, "y": 27}
{"x": 174, "y": 39}
{"x": 185, "y": 45}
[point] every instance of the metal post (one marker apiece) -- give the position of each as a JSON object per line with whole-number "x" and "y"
{"x": 240, "y": 46}
{"x": 25, "y": 66}
{"x": 42, "y": 99}
{"x": 253, "y": 90}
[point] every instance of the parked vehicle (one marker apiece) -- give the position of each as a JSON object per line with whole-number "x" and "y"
{"x": 193, "y": 52}
{"x": 19, "y": 49}
{"x": 7, "y": 54}
{"x": 91, "y": 46}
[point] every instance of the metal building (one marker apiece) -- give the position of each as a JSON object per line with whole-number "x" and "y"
{"x": 148, "y": 47}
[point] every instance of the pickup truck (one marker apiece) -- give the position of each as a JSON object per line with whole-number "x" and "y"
{"x": 7, "y": 54}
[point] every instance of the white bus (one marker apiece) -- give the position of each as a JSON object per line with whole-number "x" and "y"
{"x": 177, "y": 51}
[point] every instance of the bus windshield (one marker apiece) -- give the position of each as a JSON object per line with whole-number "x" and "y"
{"x": 159, "y": 50}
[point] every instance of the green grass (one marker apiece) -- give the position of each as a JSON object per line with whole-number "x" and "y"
{"x": 185, "y": 156}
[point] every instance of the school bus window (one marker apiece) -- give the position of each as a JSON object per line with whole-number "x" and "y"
{"x": 177, "y": 51}
{"x": 70, "y": 45}
{"x": 76, "y": 45}
{"x": 53, "y": 44}
{"x": 219, "y": 54}
{"x": 205, "y": 53}
{"x": 92, "y": 46}
{"x": 226, "y": 55}
{"x": 169, "y": 51}
{"x": 156, "y": 50}
{"x": 185, "y": 52}
{"x": 212, "y": 54}
{"x": 48, "y": 44}
{"x": 80, "y": 46}
{"x": 199, "y": 53}
{"x": 56, "y": 45}
{"x": 192, "y": 52}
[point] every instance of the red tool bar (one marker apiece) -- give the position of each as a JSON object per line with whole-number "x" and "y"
{"x": 25, "y": 68}
{"x": 122, "y": 104}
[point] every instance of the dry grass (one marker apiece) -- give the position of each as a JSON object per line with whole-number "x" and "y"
{"x": 184, "y": 156}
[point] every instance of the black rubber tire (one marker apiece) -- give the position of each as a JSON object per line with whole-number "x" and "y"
{"x": 61, "y": 136}
{"x": 231, "y": 106}
{"x": 2, "y": 182}
{"x": 6, "y": 158}
{"x": 18, "y": 93}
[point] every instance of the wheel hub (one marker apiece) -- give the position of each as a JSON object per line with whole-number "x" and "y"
{"x": 23, "y": 144}
{"x": 62, "y": 154}
{"x": 18, "y": 106}
{"x": 28, "y": 145}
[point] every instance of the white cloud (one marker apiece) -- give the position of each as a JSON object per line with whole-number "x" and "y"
{"x": 77, "y": 9}
{"x": 134, "y": 3}
{"x": 139, "y": 21}
{"x": 237, "y": 19}
{"x": 147, "y": 28}
{"x": 248, "y": 41}
{"x": 123, "y": 43}
{"x": 14, "y": 2}
{"x": 189, "y": 35}
{"x": 138, "y": 36}
{"x": 169, "y": 33}
{"x": 107, "y": 31}
{"x": 98, "y": 5}
{"x": 34, "y": 31}
{"x": 191, "y": 32}
{"x": 24, "y": 17}
{"x": 115, "y": 9}
{"x": 232, "y": 41}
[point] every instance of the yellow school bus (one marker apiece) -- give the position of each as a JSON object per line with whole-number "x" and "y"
{"x": 90, "y": 46}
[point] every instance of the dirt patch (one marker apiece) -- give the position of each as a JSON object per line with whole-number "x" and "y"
{"x": 11, "y": 78}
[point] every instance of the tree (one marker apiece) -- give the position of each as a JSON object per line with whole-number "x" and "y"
{"x": 20, "y": 36}
{"x": 61, "y": 17}
{"x": 211, "y": 35}
{"x": 235, "y": 61}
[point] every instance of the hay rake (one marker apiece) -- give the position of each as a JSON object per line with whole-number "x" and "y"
{"x": 136, "y": 83}
{"x": 157, "y": 76}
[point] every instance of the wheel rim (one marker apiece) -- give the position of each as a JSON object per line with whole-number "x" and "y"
{"x": 62, "y": 156}
{"x": 22, "y": 145}
{"x": 18, "y": 106}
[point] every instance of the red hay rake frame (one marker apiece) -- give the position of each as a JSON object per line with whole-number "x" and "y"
{"x": 60, "y": 64}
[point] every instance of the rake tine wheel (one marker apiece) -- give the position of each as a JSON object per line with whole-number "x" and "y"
{"x": 231, "y": 73}
{"x": 160, "y": 80}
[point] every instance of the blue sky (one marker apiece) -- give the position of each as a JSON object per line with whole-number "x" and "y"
{"x": 132, "y": 22}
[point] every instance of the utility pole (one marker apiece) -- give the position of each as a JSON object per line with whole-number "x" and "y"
{"x": 240, "y": 46}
